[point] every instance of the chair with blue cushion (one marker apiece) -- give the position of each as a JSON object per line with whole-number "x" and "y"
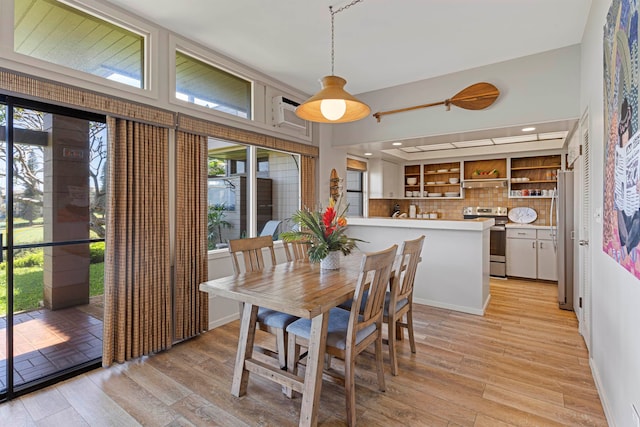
{"x": 274, "y": 322}
{"x": 351, "y": 332}
{"x": 398, "y": 301}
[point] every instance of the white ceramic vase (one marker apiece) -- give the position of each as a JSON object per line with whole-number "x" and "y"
{"x": 331, "y": 261}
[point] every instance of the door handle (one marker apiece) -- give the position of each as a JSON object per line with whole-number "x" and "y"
{"x": 583, "y": 242}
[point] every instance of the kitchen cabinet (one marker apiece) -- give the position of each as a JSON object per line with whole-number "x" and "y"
{"x": 477, "y": 173}
{"x": 537, "y": 175}
{"x": 530, "y": 254}
{"x": 521, "y": 253}
{"x": 547, "y": 261}
{"x": 473, "y": 168}
{"x": 383, "y": 179}
{"x": 412, "y": 183}
{"x": 442, "y": 180}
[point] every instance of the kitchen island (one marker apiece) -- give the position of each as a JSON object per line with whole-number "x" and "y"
{"x": 454, "y": 272}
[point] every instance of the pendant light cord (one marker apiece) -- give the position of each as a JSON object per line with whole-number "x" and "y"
{"x": 345, "y": 7}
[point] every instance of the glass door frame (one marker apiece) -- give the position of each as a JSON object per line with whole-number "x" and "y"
{"x": 10, "y": 103}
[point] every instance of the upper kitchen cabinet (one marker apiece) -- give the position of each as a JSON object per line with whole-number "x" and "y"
{"x": 412, "y": 183}
{"x": 485, "y": 173}
{"x": 384, "y": 179}
{"x": 442, "y": 180}
{"x": 534, "y": 176}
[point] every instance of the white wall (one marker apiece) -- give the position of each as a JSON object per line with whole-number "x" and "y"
{"x": 331, "y": 157}
{"x": 535, "y": 88}
{"x": 615, "y": 353}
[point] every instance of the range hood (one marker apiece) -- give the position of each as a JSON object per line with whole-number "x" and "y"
{"x": 485, "y": 183}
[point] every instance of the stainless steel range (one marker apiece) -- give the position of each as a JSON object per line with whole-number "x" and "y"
{"x": 498, "y": 236}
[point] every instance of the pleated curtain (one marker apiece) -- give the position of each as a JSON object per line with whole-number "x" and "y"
{"x": 137, "y": 284}
{"x": 308, "y": 181}
{"x": 191, "y": 305}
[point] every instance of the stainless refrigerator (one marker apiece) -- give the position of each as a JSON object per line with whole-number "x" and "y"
{"x": 562, "y": 231}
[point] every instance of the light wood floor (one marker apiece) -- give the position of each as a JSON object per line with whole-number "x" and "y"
{"x": 523, "y": 364}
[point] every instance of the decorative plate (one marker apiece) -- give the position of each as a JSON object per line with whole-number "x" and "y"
{"x": 522, "y": 215}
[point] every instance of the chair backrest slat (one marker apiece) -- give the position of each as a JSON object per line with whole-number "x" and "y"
{"x": 374, "y": 276}
{"x": 405, "y": 275}
{"x": 296, "y": 251}
{"x": 251, "y": 251}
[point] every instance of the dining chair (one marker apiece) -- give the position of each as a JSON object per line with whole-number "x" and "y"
{"x": 351, "y": 332}
{"x": 398, "y": 301}
{"x": 274, "y": 322}
{"x": 296, "y": 251}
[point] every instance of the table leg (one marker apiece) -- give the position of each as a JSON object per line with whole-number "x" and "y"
{"x": 313, "y": 374}
{"x": 245, "y": 349}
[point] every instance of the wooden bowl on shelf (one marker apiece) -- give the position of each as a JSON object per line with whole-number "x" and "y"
{"x": 484, "y": 174}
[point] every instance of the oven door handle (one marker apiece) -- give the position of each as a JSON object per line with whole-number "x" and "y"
{"x": 498, "y": 228}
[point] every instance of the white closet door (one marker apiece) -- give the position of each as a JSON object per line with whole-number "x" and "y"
{"x": 584, "y": 235}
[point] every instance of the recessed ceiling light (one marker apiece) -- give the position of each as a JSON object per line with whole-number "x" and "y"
{"x": 529, "y": 129}
{"x": 397, "y": 143}
{"x": 368, "y": 154}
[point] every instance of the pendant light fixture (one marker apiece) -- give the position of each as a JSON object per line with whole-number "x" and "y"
{"x": 333, "y": 104}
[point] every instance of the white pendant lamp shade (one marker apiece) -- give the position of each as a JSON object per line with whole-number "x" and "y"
{"x": 333, "y": 104}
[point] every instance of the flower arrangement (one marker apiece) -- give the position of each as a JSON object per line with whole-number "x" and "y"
{"x": 324, "y": 231}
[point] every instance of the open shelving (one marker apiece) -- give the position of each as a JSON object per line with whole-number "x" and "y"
{"x": 537, "y": 173}
{"x": 436, "y": 179}
{"x": 412, "y": 171}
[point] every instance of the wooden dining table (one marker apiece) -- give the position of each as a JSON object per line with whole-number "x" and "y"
{"x": 298, "y": 288}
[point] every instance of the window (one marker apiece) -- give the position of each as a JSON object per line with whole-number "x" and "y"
{"x": 282, "y": 171}
{"x": 203, "y": 84}
{"x": 54, "y": 32}
{"x": 230, "y": 209}
{"x": 355, "y": 193}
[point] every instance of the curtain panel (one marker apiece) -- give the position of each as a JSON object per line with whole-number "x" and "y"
{"x": 191, "y": 305}
{"x": 137, "y": 284}
{"x": 308, "y": 181}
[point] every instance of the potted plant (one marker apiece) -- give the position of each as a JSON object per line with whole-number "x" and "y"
{"x": 325, "y": 233}
{"x": 215, "y": 224}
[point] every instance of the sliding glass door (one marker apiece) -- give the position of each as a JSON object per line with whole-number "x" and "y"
{"x": 52, "y": 189}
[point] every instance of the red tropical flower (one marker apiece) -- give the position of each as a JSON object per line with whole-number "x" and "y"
{"x": 327, "y": 219}
{"x": 323, "y": 230}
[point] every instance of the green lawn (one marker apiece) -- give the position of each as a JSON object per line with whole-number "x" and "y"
{"x": 25, "y": 235}
{"x": 28, "y": 270}
{"x": 34, "y": 234}
{"x": 28, "y": 287}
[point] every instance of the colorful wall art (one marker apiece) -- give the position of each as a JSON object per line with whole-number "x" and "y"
{"x": 621, "y": 210}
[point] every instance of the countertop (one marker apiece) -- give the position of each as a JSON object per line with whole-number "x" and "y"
{"x": 478, "y": 224}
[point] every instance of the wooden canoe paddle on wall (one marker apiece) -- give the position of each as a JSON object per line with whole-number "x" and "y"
{"x": 475, "y": 97}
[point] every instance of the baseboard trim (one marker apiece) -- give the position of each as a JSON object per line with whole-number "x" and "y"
{"x": 223, "y": 321}
{"x": 603, "y": 399}
{"x": 461, "y": 308}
